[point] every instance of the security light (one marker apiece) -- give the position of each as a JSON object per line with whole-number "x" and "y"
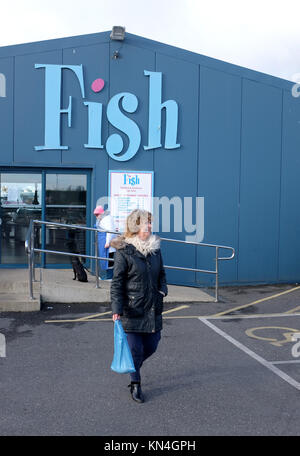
{"x": 116, "y": 55}
{"x": 117, "y": 33}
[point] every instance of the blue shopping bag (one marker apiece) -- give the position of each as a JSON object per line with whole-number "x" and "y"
{"x": 122, "y": 360}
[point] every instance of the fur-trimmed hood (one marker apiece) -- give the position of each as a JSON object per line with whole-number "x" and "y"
{"x": 144, "y": 247}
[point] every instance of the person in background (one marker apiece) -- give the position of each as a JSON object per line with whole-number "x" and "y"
{"x": 104, "y": 221}
{"x": 137, "y": 291}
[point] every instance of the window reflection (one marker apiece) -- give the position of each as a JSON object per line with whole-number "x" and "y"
{"x": 65, "y": 203}
{"x": 20, "y": 202}
{"x": 20, "y": 189}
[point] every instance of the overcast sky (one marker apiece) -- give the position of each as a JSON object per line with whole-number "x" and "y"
{"x": 259, "y": 34}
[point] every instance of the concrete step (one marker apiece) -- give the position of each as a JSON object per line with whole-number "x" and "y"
{"x": 17, "y": 280}
{"x": 16, "y": 286}
{"x": 19, "y": 302}
{"x": 14, "y": 291}
{"x": 58, "y": 286}
{"x": 78, "y": 293}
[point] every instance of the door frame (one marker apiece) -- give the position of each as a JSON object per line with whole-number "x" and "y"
{"x": 43, "y": 171}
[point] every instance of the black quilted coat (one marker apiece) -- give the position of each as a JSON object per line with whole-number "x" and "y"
{"x": 138, "y": 287}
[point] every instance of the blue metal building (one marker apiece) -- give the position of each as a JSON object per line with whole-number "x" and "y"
{"x": 238, "y": 147}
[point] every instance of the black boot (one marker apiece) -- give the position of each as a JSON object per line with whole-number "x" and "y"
{"x": 136, "y": 392}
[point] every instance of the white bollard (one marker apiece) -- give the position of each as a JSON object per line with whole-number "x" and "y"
{"x": 2, "y": 346}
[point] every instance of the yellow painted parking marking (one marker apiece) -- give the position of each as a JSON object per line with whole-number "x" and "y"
{"x": 93, "y": 317}
{"x": 255, "y": 302}
{"x": 75, "y": 320}
{"x": 78, "y": 319}
{"x": 183, "y": 317}
{"x": 293, "y": 310}
{"x": 234, "y": 317}
{"x": 208, "y": 317}
{"x": 175, "y": 309}
{"x": 278, "y": 343}
{"x": 264, "y": 315}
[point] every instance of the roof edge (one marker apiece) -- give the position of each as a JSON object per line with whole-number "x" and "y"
{"x": 55, "y": 43}
{"x": 147, "y": 43}
{"x": 201, "y": 59}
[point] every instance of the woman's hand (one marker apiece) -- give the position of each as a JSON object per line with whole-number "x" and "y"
{"x": 116, "y": 317}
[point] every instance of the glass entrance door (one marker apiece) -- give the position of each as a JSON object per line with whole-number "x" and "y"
{"x": 66, "y": 202}
{"x": 45, "y": 195}
{"x": 20, "y": 201}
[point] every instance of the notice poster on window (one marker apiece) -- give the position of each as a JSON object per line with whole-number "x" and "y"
{"x": 129, "y": 190}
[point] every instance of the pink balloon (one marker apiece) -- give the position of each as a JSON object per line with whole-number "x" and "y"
{"x": 97, "y": 85}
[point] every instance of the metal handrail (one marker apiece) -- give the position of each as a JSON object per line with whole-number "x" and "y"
{"x": 217, "y": 259}
{"x": 30, "y": 250}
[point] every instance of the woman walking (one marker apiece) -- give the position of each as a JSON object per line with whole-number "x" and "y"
{"x": 137, "y": 291}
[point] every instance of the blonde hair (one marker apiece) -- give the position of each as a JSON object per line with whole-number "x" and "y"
{"x": 134, "y": 221}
